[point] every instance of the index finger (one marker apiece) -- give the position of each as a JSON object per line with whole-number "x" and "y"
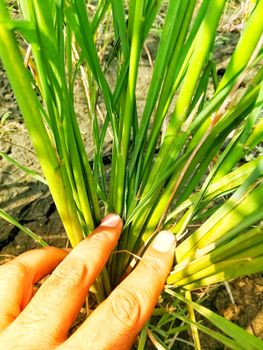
{"x": 55, "y": 306}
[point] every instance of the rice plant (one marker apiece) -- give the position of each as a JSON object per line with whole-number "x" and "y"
{"x": 178, "y": 163}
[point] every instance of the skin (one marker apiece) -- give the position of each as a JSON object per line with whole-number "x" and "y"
{"x": 42, "y": 320}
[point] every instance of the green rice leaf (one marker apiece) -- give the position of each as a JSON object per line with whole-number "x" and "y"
{"x": 26, "y": 230}
{"x": 239, "y": 335}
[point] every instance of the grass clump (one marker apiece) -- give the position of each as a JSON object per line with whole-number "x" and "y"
{"x": 186, "y": 174}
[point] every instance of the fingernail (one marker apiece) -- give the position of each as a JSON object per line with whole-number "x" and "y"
{"x": 111, "y": 220}
{"x": 164, "y": 241}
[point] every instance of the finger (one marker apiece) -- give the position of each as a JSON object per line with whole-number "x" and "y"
{"x": 117, "y": 321}
{"x": 18, "y": 276}
{"x": 56, "y": 304}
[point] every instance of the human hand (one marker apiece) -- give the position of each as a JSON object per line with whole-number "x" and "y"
{"x": 42, "y": 320}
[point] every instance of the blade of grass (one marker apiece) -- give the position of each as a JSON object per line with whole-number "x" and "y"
{"x": 231, "y": 344}
{"x": 119, "y": 21}
{"x": 246, "y": 241}
{"x": 220, "y": 187}
{"x": 25, "y": 169}
{"x": 19, "y": 78}
{"x": 191, "y": 315}
{"x": 239, "y": 335}
{"x": 24, "y": 229}
{"x": 122, "y": 153}
{"x": 221, "y": 272}
{"x": 240, "y": 202}
{"x": 251, "y": 33}
{"x": 196, "y": 64}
